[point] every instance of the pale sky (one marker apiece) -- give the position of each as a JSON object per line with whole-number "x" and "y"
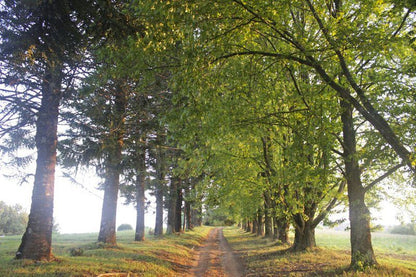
{"x": 76, "y": 209}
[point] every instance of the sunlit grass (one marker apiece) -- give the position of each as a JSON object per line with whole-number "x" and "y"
{"x": 383, "y": 243}
{"x": 263, "y": 257}
{"x": 154, "y": 257}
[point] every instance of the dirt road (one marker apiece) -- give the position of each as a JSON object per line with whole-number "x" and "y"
{"x": 216, "y": 258}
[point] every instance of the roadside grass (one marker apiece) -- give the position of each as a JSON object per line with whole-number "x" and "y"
{"x": 263, "y": 257}
{"x": 167, "y": 256}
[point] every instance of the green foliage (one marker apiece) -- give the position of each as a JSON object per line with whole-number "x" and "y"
{"x": 13, "y": 219}
{"x": 124, "y": 227}
{"x": 217, "y": 217}
{"x": 404, "y": 229}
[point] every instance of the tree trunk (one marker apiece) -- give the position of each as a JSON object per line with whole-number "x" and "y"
{"x": 267, "y": 216}
{"x": 109, "y": 210}
{"x": 275, "y": 229}
{"x": 188, "y": 211}
{"x": 196, "y": 211}
{"x": 283, "y": 230}
{"x": 173, "y": 195}
{"x": 362, "y": 253}
{"x": 304, "y": 237}
{"x": 160, "y": 173}
{"x": 178, "y": 214}
{"x": 260, "y": 227}
{"x": 36, "y": 241}
{"x": 107, "y": 232}
{"x": 305, "y": 230}
{"x": 254, "y": 226}
{"x": 159, "y": 211}
{"x": 248, "y": 226}
{"x": 140, "y": 197}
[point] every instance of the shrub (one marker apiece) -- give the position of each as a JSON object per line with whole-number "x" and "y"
{"x": 408, "y": 229}
{"x": 76, "y": 252}
{"x": 124, "y": 227}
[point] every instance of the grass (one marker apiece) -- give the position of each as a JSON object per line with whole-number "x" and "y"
{"x": 172, "y": 255}
{"x": 396, "y": 255}
{"x": 165, "y": 256}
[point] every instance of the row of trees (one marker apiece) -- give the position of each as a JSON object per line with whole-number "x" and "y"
{"x": 276, "y": 112}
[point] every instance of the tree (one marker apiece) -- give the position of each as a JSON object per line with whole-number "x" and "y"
{"x": 338, "y": 40}
{"x": 41, "y": 42}
{"x": 13, "y": 219}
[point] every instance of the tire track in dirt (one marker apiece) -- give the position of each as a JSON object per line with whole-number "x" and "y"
{"x": 216, "y": 258}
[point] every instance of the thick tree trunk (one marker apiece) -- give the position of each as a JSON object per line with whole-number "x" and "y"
{"x": 178, "y": 214}
{"x": 36, "y": 241}
{"x": 196, "y": 211}
{"x": 107, "y": 232}
{"x": 244, "y": 225}
{"x": 109, "y": 210}
{"x": 260, "y": 225}
{"x": 362, "y": 253}
{"x": 188, "y": 216}
{"x": 173, "y": 195}
{"x": 140, "y": 197}
{"x": 160, "y": 173}
{"x": 305, "y": 230}
{"x": 304, "y": 237}
{"x": 248, "y": 226}
{"x": 254, "y": 226}
{"x": 267, "y": 216}
{"x": 275, "y": 229}
{"x": 283, "y": 230}
{"x": 159, "y": 211}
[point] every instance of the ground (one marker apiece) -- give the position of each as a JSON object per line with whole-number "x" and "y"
{"x": 216, "y": 258}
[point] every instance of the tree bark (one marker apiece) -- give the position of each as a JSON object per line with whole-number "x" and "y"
{"x": 267, "y": 215}
{"x": 140, "y": 196}
{"x": 362, "y": 253}
{"x": 248, "y": 226}
{"x": 107, "y": 232}
{"x": 178, "y": 214}
{"x": 283, "y": 230}
{"x": 260, "y": 226}
{"x": 305, "y": 230}
{"x": 36, "y": 241}
{"x": 304, "y": 237}
{"x": 254, "y": 225}
{"x": 196, "y": 211}
{"x": 188, "y": 210}
{"x": 173, "y": 195}
{"x": 160, "y": 176}
{"x": 159, "y": 211}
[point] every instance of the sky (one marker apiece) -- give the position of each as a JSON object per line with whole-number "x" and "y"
{"x": 77, "y": 209}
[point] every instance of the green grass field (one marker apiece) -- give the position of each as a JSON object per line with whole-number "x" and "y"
{"x": 154, "y": 257}
{"x": 171, "y": 255}
{"x": 396, "y": 255}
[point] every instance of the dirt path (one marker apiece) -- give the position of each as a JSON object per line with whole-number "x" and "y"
{"x": 216, "y": 258}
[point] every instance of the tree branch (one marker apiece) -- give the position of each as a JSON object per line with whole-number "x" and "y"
{"x": 382, "y": 177}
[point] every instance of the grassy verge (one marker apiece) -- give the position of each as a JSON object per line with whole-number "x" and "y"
{"x": 262, "y": 257}
{"x": 167, "y": 256}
